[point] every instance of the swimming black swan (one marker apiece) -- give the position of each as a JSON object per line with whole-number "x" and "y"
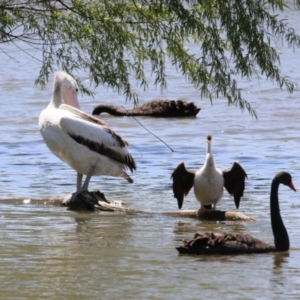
{"x": 238, "y": 243}
{"x": 208, "y": 182}
{"x": 154, "y": 108}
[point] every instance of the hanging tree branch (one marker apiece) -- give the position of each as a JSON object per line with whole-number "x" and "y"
{"x": 115, "y": 41}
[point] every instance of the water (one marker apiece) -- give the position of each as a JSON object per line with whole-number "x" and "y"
{"x": 48, "y": 251}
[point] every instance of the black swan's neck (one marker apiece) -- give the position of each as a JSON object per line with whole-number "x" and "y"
{"x": 110, "y": 109}
{"x": 281, "y": 238}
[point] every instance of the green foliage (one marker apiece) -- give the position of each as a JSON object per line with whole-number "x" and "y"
{"x": 113, "y": 40}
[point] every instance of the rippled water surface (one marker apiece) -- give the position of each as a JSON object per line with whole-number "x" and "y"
{"x": 47, "y": 251}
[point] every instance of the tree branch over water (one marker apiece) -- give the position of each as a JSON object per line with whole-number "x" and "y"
{"x": 114, "y": 40}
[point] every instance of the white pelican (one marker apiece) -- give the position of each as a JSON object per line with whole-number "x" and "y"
{"x": 208, "y": 182}
{"x": 84, "y": 142}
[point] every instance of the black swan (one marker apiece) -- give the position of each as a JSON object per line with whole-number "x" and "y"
{"x": 238, "y": 243}
{"x": 154, "y": 108}
{"x": 208, "y": 182}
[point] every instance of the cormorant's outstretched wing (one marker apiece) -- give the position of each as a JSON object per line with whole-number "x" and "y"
{"x": 234, "y": 182}
{"x": 183, "y": 180}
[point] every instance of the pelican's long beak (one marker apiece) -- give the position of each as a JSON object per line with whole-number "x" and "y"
{"x": 70, "y": 97}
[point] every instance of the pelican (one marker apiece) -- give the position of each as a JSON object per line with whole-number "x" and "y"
{"x": 85, "y": 143}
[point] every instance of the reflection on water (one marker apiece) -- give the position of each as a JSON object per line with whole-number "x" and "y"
{"x": 279, "y": 260}
{"x": 47, "y": 251}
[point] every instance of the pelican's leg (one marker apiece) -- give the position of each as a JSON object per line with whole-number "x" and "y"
{"x": 71, "y": 196}
{"x": 87, "y": 179}
{"x": 86, "y": 201}
{"x": 85, "y": 185}
{"x": 79, "y": 181}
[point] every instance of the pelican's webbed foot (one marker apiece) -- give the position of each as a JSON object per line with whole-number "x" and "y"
{"x": 84, "y": 200}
